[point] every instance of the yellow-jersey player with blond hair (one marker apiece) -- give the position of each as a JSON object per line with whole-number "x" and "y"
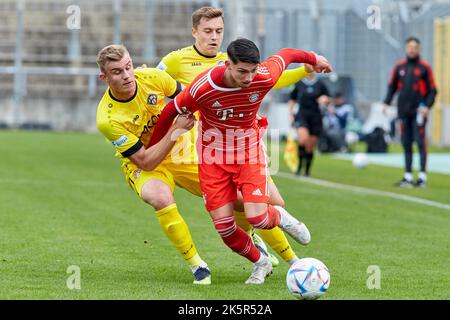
{"x": 126, "y": 116}
{"x": 187, "y": 63}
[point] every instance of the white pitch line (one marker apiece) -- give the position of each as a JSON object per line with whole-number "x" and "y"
{"x": 340, "y": 186}
{"x": 284, "y": 175}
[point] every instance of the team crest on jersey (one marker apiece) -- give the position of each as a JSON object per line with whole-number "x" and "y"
{"x": 254, "y": 97}
{"x": 152, "y": 99}
{"x": 402, "y": 72}
{"x": 220, "y": 63}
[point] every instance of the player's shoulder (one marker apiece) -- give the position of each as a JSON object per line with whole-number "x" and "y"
{"x": 172, "y": 59}
{"x": 104, "y": 106}
{"x": 104, "y": 102}
{"x": 424, "y": 63}
{"x": 110, "y": 115}
{"x": 263, "y": 71}
{"x": 178, "y": 54}
{"x": 152, "y": 76}
{"x": 401, "y": 62}
{"x": 148, "y": 73}
{"x": 222, "y": 56}
{"x": 202, "y": 77}
{"x": 201, "y": 83}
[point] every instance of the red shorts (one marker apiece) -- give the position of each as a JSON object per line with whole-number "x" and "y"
{"x": 219, "y": 183}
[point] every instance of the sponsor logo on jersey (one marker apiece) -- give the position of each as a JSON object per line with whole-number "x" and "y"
{"x": 152, "y": 99}
{"x": 135, "y": 118}
{"x": 196, "y": 64}
{"x": 121, "y": 141}
{"x": 254, "y": 97}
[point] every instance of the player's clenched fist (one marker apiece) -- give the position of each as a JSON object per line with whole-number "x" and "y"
{"x": 322, "y": 64}
{"x": 185, "y": 121}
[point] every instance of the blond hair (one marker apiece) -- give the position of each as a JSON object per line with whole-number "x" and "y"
{"x": 206, "y": 12}
{"x": 114, "y": 52}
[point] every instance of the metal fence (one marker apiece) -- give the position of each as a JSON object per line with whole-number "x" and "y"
{"x": 49, "y": 62}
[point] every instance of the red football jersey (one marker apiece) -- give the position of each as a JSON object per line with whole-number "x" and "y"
{"x": 227, "y": 128}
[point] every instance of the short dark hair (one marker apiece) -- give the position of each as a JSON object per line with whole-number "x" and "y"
{"x": 416, "y": 40}
{"x": 243, "y": 50}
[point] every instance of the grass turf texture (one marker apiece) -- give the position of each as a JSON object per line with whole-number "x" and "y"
{"x": 64, "y": 202}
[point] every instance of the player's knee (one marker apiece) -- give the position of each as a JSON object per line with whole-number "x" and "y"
{"x": 275, "y": 197}
{"x": 277, "y": 200}
{"x": 158, "y": 199}
{"x": 242, "y": 222}
{"x": 266, "y": 220}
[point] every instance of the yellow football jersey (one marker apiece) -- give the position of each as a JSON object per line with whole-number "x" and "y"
{"x": 129, "y": 125}
{"x": 185, "y": 64}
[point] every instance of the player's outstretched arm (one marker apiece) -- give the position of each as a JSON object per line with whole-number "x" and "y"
{"x": 290, "y": 55}
{"x": 290, "y": 77}
{"x": 149, "y": 159}
{"x": 322, "y": 64}
{"x": 164, "y": 123}
{"x": 183, "y": 104}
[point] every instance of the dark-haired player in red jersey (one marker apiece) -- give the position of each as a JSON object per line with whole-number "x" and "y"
{"x": 230, "y": 151}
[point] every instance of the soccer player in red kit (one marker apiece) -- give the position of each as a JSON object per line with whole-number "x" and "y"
{"x": 230, "y": 150}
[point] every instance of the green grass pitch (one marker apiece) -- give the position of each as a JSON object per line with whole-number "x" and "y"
{"x": 63, "y": 202}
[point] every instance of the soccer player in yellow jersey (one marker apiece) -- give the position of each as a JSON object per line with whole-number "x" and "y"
{"x": 126, "y": 116}
{"x": 187, "y": 63}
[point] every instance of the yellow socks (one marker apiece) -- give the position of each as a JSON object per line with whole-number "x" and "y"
{"x": 177, "y": 231}
{"x": 274, "y": 238}
{"x": 242, "y": 222}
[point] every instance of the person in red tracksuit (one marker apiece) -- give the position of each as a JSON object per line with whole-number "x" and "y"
{"x": 231, "y": 154}
{"x": 412, "y": 79}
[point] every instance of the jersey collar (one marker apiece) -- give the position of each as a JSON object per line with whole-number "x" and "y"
{"x": 413, "y": 60}
{"x": 218, "y": 74}
{"x": 203, "y": 55}
{"x": 124, "y": 101}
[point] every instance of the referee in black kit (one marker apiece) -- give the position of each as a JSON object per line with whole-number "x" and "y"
{"x": 308, "y": 119}
{"x": 412, "y": 78}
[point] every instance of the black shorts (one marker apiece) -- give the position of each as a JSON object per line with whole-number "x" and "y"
{"x": 310, "y": 120}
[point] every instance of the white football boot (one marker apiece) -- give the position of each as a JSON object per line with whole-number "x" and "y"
{"x": 261, "y": 270}
{"x": 295, "y": 228}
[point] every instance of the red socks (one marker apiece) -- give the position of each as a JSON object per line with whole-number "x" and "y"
{"x": 237, "y": 239}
